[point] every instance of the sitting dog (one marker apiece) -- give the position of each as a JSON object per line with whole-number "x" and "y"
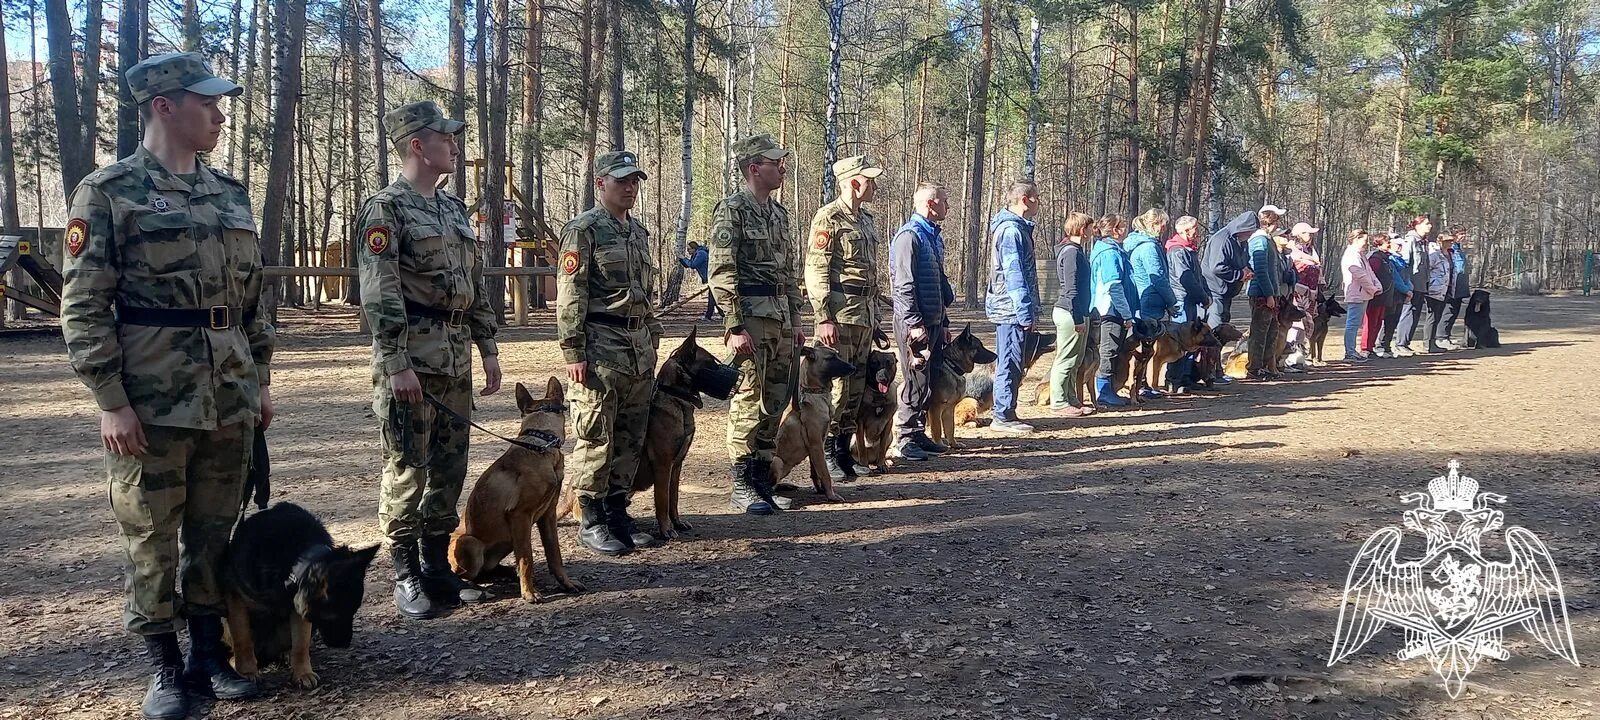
{"x": 805, "y": 423}
{"x": 282, "y": 577}
{"x": 949, "y": 385}
{"x": 1481, "y": 332}
{"x": 1278, "y": 349}
{"x": 979, "y": 396}
{"x": 875, "y": 419}
{"x": 1210, "y": 360}
{"x": 517, "y": 491}
{"x": 1172, "y": 344}
{"x": 1122, "y": 377}
{"x": 1330, "y": 308}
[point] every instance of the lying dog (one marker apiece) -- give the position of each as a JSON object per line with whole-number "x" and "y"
{"x": 949, "y": 384}
{"x": 1481, "y": 332}
{"x": 1330, "y": 308}
{"x": 282, "y": 577}
{"x": 875, "y": 419}
{"x": 805, "y": 423}
{"x": 517, "y": 491}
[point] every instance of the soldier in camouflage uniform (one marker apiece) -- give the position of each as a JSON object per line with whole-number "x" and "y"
{"x": 608, "y": 331}
{"x": 161, "y": 311}
{"x": 842, "y": 282}
{"x": 754, "y": 276}
{"x": 423, "y": 295}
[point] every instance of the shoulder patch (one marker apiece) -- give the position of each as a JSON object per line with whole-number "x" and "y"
{"x": 820, "y": 240}
{"x": 378, "y": 238}
{"x": 724, "y": 236}
{"x": 77, "y": 234}
{"x": 569, "y": 262}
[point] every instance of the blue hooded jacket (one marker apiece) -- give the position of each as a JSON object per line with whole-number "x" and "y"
{"x": 1223, "y": 259}
{"x": 1402, "y": 275}
{"x": 1151, "y": 280}
{"x": 1114, "y": 296}
{"x": 1013, "y": 297}
{"x": 1266, "y": 266}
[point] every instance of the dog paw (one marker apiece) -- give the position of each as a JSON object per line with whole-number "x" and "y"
{"x": 835, "y": 497}
{"x": 248, "y": 672}
{"x": 667, "y": 532}
{"x": 306, "y": 679}
{"x": 573, "y": 586}
{"x": 682, "y": 526}
{"x": 532, "y": 598}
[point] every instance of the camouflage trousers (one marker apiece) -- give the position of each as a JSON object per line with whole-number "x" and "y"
{"x": 610, "y": 412}
{"x": 855, "y": 343}
{"x": 757, "y": 405}
{"x": 425, "y": 457}
{"x": 176, "y": 506}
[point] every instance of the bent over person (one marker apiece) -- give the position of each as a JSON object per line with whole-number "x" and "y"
{"x": 607, "y": 328}
{"x": 422, "y": 292}
{"x": 161, "y": 312}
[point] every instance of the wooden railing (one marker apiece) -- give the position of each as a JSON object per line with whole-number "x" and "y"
{"x": 519, "y": 285}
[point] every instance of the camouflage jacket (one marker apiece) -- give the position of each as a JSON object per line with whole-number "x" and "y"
{"x": 422, "y": 251}
{"x": 751, "y": 245}
{"x": 140, "y": 236}
{"x": 843, "y": 252}
{"x": 606, "y": 268}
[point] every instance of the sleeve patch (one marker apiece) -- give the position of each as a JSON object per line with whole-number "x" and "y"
{"x": 724, "y": 238}
{"x": 378, "y": 239}
{"x": 77, "y": 235}
{"x": 820, "y": 240}
{"x": 569, "y": 262}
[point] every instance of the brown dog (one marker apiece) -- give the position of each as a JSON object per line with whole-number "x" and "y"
{"x": 1176, "y": 341}
{"x": 1123, "y": 378}
{"x": 875, "y": 419}
{"x": 519, "y": 490}
{"x": 1211, "y": 361}
{"x": 949, "y": 386}
{"x": 805, "y": 423}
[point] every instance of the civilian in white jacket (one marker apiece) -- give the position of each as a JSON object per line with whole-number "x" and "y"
{"x": 1360, "y": 285}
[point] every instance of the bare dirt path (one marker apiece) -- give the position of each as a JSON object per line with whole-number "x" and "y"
{"x": 1113, "y": 567}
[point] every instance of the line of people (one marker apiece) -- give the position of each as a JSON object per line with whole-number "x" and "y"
{"x": 1389, "y": 282}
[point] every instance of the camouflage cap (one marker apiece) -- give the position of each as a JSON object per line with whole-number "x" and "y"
{"x": 404, "y": 121}
{"x": 618, "y": 164}
{"x": 762, "y": 145}
{"x": 855, "y": 165}
{"x": 171, "y": 72}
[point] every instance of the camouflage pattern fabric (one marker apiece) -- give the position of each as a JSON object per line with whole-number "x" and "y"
{"x": 138, "y": 235}
{"x": 188, "y": 479}
{"x": 404, "y": 121}
{"x": 424, "y": 457}
{"x": 843, "y": 250}
{"x": 855, "y": 344}
{"x": 168, "y": 73}
{"x": 610, "y": 412}
{"x": 758, "y": 403}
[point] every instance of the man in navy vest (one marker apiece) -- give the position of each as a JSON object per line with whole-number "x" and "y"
{"x": 1013, "y": 300}
{"x": 921, "y": 293}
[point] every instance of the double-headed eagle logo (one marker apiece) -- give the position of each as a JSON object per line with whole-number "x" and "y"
{"x": 1452, "y": 604}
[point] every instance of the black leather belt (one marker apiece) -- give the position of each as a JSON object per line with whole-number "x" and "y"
{"x": 857, "y": 290}
{"x": 632, "y": 323}
{"x": 760, "y": 291}
{"x": 216, "y": 317}
{"x": 453, "y": 318}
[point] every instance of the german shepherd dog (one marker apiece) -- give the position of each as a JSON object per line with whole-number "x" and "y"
{"x": 804, "y": 425}
{"x": 1481, "y": 332}
{"x": 875, "y": 419}
{"x": 1330, "y": 308}
{"x": 1174, "y": 342}
{"x": 669, "y": 433}
{"x": 517, "y": 491}
{"x": 1211, "y": 361}
{"x": 282, "y": 577}
{"x": 1287, "y": 316}
{"x": 949, "y": 384}
{"x": 979, "y": 396}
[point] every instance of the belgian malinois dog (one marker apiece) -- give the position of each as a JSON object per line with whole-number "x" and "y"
{"x": 949, "y": 384}
{"x": 875, "y": 420}
{"x": 805, "y": 423}
{"x": 517, "y": 491}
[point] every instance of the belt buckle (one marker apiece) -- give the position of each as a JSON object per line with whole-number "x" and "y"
{"x": 635, "y": 322}
{"x": 217, "y": 315}
{"x": 457, "y": 317}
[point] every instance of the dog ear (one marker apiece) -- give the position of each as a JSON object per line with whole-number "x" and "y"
{"x": 693, "y": 332}
{"x": 807, "y": 351}
{"x": 554, "y": 391}
{"x": 363, "y": 558}
{"x": 524, "y": 400}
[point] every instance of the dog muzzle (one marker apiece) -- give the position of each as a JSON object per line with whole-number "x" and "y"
{"x": 718, "y": 381}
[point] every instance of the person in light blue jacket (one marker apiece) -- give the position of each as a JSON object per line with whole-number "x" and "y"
{"x": 1114, "y": 307}
{"x": 1148, "y": 261}
{"x": 1013, "y": 300}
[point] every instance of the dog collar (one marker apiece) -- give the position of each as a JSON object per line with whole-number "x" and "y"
{"x": 537, "y": 441}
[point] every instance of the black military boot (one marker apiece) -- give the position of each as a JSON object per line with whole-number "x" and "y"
{"x": 208, "y": 673}
{"x": 761, "y": 482}
{"x": 830, "y": 456}
{"x": 744, "y": 497}
{"x": 593, "y": 531}
{"x": 165, "y": 700}
{"x": 410, "y": 594}
{"x": 438, "y": 580}
{"x": 845, "y": 460}
{"x": 622, "y": 525}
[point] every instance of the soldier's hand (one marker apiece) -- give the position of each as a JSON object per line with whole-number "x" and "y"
{"x": 799, "y": 338}
{"x": 1080, "y": 328}
{"x": 121, "y": 432}
{"x": 741, "y": 344}
{"x": 491, "y": 375}
{"x": 266, "y": 407}
{"x": 406, "y": 386}
{"x": 828, "y": 333}
{"x": 578, "y": 372}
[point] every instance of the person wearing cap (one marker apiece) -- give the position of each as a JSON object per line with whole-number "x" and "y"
{"x": 1266, "y": 267}
{"x": 162, "y": 316}
{"x": 607, "y": 329}
{"x": 1012, "y": 303}
{"x": 841, "y": 275}
{"x": 921, "y": 292}
{"x": 755, "y": 275}
{"x": 1305, "y": 264}
{"x": 422, "y": 291}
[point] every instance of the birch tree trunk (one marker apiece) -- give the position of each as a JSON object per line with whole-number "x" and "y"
{"x": 830, "y": 143}
{"x": 686, "y": 204}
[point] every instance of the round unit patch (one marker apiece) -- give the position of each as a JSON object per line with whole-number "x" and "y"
{"x": 77, "y": 235}
{"x": 569, "y": 262}
{"x": 378, "y": 239}
{"x": 821, "y": 242}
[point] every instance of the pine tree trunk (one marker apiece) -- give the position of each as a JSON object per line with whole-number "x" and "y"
{"x": 89, "y": 93}
{"x": 618, "y": 142}
{"x": 353, "y": 91}
{"x": 130, "y": 27}
{"x": 532, "y": 89}
{"x": 494, "y": 193}
{"x": 291, "y": 30}
{"x": 1133, "y": 197}
{"x": 191, "y": 26}
{"x": 458, "y": 84}
{"x": 379, "y": 106}
{"x": 592, "y": 31}
{"x": 980, "y": 134}
{"x": 75, "y": 160}
{"x": 9, "y": 219}
{"x": 236, "y": 35}
{"x": 258, "y": 17}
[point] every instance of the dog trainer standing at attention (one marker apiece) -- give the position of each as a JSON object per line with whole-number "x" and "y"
{"x": 607, "y": 328}
{"x": 842, "y": 282}
{"x": 161, "y": 312}
{"x": 754, "y": 277}
{"x": 422, "y": 292}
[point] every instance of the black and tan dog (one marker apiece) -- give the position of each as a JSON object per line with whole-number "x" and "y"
{"x": 1481, "y": 332}
{"x": 979, "y": 397}
{"x": 1329, "y": 308}
{"x": 875, "y": 419}
{"x": 282, "y": 578}
{"x": 1211, "y": 361}
{"x": 805, "y": 423}
{"x": 518, "y": 491}
{"x": 949, "y": 386}
{"x": 1172, "y": 343}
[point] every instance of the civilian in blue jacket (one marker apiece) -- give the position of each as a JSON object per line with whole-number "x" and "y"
{"x": 699, "y": 260}
{"x": 1071, "y": 315}
{"x": 1223, "y": 262}
{"x": 1400, "y": 274}
{"x": 1151, "y": 281}
{"x": 1114, "y": 307}
{"x": 1266, "y": 274}
{"x": 921, "y": 292}
{"x": 1013, "y": 300}
{"x": 1189, "y": 286}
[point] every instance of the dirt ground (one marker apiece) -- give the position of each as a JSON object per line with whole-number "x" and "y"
{"x": 1116, "y": 567}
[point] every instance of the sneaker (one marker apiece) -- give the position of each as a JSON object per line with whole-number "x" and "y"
{"x": 1403, "y": 352}
{"x": 1010, "y": 427}
{"x": 1293, "y": 370}
{"x": 1357, "y": 358}
{"x": 1151, "y": 393}
{"x": 1382, "y": 353}
{"x": 907, "y": 449}
{"x": 928, "y": 445}
{"x": 1224, "y": 379}
{"x": 1068, "y": 411}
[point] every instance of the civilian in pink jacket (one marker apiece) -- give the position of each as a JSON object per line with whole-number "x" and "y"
{"x": 1360, "y": 286}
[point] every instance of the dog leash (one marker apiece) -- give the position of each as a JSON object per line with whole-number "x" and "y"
{"x": 545, "y": 441}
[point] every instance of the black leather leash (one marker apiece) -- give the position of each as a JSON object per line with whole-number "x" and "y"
{"x": 542, "y": 442}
